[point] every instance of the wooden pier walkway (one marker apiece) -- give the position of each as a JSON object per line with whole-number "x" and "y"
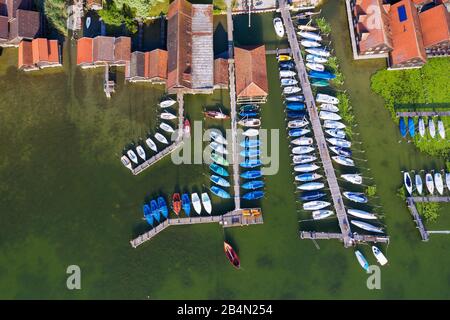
{"x": 423, "y": 113}
{"x": 341, "y": 213}
{"x": 430, "y": 199}
{"x": 231, "y": 219}
{"x": 417, "y": 219}
{"x": 358, "y": 238}
{"x": 279, "y": 51}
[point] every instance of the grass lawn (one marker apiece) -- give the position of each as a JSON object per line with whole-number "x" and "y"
{"x": 418, "y": 89}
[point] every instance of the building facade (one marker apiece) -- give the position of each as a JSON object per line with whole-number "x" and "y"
{"x": 38, "y": 54}
{"x": 147, "y": 67}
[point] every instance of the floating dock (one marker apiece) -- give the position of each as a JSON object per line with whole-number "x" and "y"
{"x": 358, "y": 238}
{"x": 422, "y": 113}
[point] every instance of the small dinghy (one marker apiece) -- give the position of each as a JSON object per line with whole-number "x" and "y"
{"x": 315, "y": 205}
{"x": 325, "y": 98}
{"x": 432, "y": 128}
{"x": 287, "y": 65}
{"x": 447, "y": 180}
{"x": 421, "y": 127}
{"x": 132, "y": 156}
{"x": 167, "y": 103}
{"x": 411, "y": 127}
{"x": 249, "y": 107}
{"x": 288, "y": 82}
{"x": 284, "y": 57}
{"x": 297, "y": 132}
{"x": 402, "y": 127}
{"x": 407, "y": 182}
{"x": 166, "y": 127}
{"x": 253, "y": 185}
{"x": 308, "y": 167}
{"x": 305, "y": 27}
{"x": 302, "y": 150}
{"x": 148, "y": 214}
{"x": 162, "y": 207}
{"x": 250, "y": 153}
{"x": 252, "y": 174}
{"x": 186, "y": 204}
{"x": 329, "y": 107}
{"x": 429, "y": 183}
{"x": 250, "y": 133}
{"x": 287, "y": 74}
{"x": 186, "y": 128}
{"x": 379, "y": 256}
{"x": 216, "y": 115}
{"x": 295, "y": 106}
{"x": 219, "y": 192}
{"x": 293, "y": 124}
{"x": 161, "y": 138}
{"x": 167, "y": 116}
{"x": 352, "y": 178}
{"x": 217, "y": 147}
{"x": 325, "y": 115}
{"x": 362, "y": 260}
{"x": 419, "y": 184}
{"x": 141, "y": 152}
{"x": 339, "y": 142}
{"x": 155, "y": 210}
{"x": 315, "y": 66}
{"x": 312, "y": 195}
{"x": 151, "y": 144}
{"x": 250, "y": 143}
{"x": 248, "y": 114}
{"x": 231, "y": 255}
{"x": 303, "y": 141}
{"x": 321, "y": 214}
{"x": 218, "y": 170}
{"x": 344, "y": 161}
{"x": 250, "y": 163}
{"x": 196, "y": 203}
{"x": 341, "y": 151}
{"x": 329, "y": 124}
{"x": 438, "y": 181}
{"x": 361, "y": 214}
{"x": 305, "y": 177}
{"x": 318, "y": 52}
{"x": 357, "y": 197}
{"x": 366, "y": 226}
{"x": 315, "y": 59}
{"x": 219, "y": 159}
{"x": 254, "y": 195}
{"x": 321, "y": 75}
{"x": 217, "y": 137}
{"x": 310, "y": 186}
{"x": 441, "y": 129}
{"x": 219, "y": 181}
{"x": 206, "y": 201}
{"x": 310, "y": 44}
{"x": 88, "y": 22}
{"x": 176, "y": 203}
{"x": 291, "y": 90}
{"x": 336, "y": 133}
{"x": 319, "y": 82}
{"x": 297, "y": 98}
{"x": 309, "y": 35}
{"x": 126, "y": 162}
{"x": 278, "y": 26}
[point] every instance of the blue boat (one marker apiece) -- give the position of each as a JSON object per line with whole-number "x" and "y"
{"x": 250, "y": 143}
{"x": 295, "y": 106}
{"x": 252, "y": 174}
{"x": 250, "y": 153}
{"x": 218, "y": 169}
{"x": 340, "y": 151}
{"x": 147, "y": 211}
{"x": 149, "y": 219}
{"x": 186, "y": 203}
{"x": 252, "y": 185}
{"x": 306, "y": 177}
{"x": 402, "y": 127}
{"x": 287, "y": 64}
{"x": 155, "y": 211}
{"x": 220, "y": 192}
{"x": 296, "y": 114}
{"x": 321, "y": 75}
{"x": 250, "y": 163}
{"x": 249, "y": 107}
{"x": 356, "y": 197}
{"x": 254, "y": 195}
{"x": 297, "y": 132}
{"x": 162, "y": 207}
{"x": 219, "y": 181}
{"x": 311, "y": 196}
{"x": 412, "y": 131}
{"x": 243, "y": 114}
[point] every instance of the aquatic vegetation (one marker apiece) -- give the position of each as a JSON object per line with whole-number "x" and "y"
{"x": 323, "y": 25}
{"x": 333, "y": 64}
{"x": 430, "y": 210}
{"x": 56, "y": 13}
{"x": 371, "y": 190}
{"x": 345, "y": 110}
{"x": 401, "y": 192}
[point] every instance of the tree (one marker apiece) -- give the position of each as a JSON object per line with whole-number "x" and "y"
{"x": 113, "y": 15}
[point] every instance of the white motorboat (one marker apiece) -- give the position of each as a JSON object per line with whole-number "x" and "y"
{"x": 278, "y": 26}
{"x": 206, "y": 201}
{"x": 293, "y": 124}
{"x": 336, "y": 133}
{"x": 318, "y": 52}
{"x": 328, "y": 107}
{"x": 196, "y": 203}
{"x": 315, "y": 205}
{"x": 161, "y": 138}
{"x": 305, "y": 27}
{"x": 330, "y": 124}
{"x": 303, "y": 141}
{"x": 132, "y": 156}
{"x": 141, "y": 152}
{"x": 302, "y": 150}
{"x": 167, "y": 103}
{"x": 366, "y": 226}
{"x": 326, "y": 115}
{"x": 251, "y": 123}
{"x": 287, "y": 74}
{"x": 421, "y": 127}
{"x": 251, "y": 132}
{"x": 166, "y": 127}
{"x": 291, "y": 90}
{"x": 304, "y": 158}
{"x": 379, "y": 256}
{"x": 308, "y": 167}
{"x": 429, "y": 183}
{"x": 325, "y": 98}
{"x": 441, "y": 129}
{"x": 88, "y": 22}
{"x": 151, "y": 144}
{"x": 447, "y": 180}
{"x": 419, "y": 184}
{"x": 288, "y": 82}
{"x": 321, "y": 214}
{"x": 167, "y": 116}
{"x": 315, "y": 59}
{"x": 407, "y": 182}
{"x": 432, "y": 128}
{"x": 361, "y": 214}
{"x": 126, "y": 162}
{"x": 344, "y": 161}
{"x": 310, "y": 44}
{"x": 315, "y": 66}
{"x": 339, "y": 142}
{"x": 218, "y": 147}
{"x": 352, "y": 178}
{"x": 218, "y": 137}
{"x": 309, "y": 35}
{"x": 439, "y": 183}
{"x": 311, "y": 186}
{"x": 362, "y": 260}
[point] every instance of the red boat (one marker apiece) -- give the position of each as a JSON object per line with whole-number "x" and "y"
{"x": 176, "y": 203}
{"x": 231, "y": 255}
{"x": 187, "y": 128}
{"x": 216, "y": 115}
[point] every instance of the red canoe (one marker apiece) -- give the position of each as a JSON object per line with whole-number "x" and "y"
{"x": 231, "y": 255}
{"x": 176, "y": 203}
{"x": 216, "y": 115}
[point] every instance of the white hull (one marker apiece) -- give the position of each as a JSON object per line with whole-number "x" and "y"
{"x": 339, "y": 142}
{"x": 329, "y": 107}
{"x": 407, "y": 181}
{"x": 300, "y": 159}
{"x": 250, "y": 123}
{"x": 361, "y": 260}
{"x": 286, "y": 74}
{"x": 315, "y": 205}
{"x": 167, "y": 103}
{"x": 306, "y": 168}
{"x": 151, "y": 144}
{"x": 421, "y": 127}
{"x": 432, "y": 128}
{"x": 366, "y": 226}
{"x": 309, "y": 35}
{"x": 352, "y": 178}
{"x": 321, "y": 214}
{"x": 251, "y": 133}
{"x": 218, "y": 137}
{"x": 206, "y": 201}
{"x": 379, "y": 256}
{"x": 336, "y": 133}
{"x": 447, "y": 180}
{"x": 303, "y": 141}
{"x": 161, "y": 138}
{"x": 315, "y": 59}
{"x": 196, "y": 203}
{"x": 291, "y": 90}
{"x": 361, "y": 214}
{"x": 297, "y": 123}
{"x": 218, "y": 147}
{"x": 167, "y": 128}
{"x": 167, "y": 116}
{"x": 325, "y": 98}
{"x": 325, "y": 115}
{"x": 132, "y": 156}
{"x": 310, "y": 44}
{"x": 302, "y": 150}
{"x": 278, "y": 26}
{"x": 419, "y": 184}
{"x": 344, "y": 161}
{"x": 306, "y": 28}
{"x": 333, "y": 124}
{"x": 315, "y": 66}
{"x": 141, "y": 153}
{"x": 318, "y": 52}
{"x": 429, "y": 183}
{"x": 311, "y": 186}
{"x": 439, "y": 183}
{"x": 441, "y": 129}
{"x": 126, "y": 162}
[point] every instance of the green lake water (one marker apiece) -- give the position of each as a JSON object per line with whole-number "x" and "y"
{"x": 66, "y": 198}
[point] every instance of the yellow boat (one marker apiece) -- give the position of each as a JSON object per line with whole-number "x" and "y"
{"x": 284, "y": 57}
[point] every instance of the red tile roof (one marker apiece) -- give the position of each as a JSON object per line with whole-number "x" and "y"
{"x": 221, "y": 71}
{"x": 251, "y": 74}
{"x": 122, "y": 49}
{"x": 156, "y": 67}
{"x": 435, "y": 23}
{"x": 4, "y": 32}
{"x": 38, "y": 51}
{"x": 25, "y": 25}
{"x": 406, "y": 35}
{"x": 103, "y": 49}
{"x": 25, "y": 57}
{"x": 84, "y": 50}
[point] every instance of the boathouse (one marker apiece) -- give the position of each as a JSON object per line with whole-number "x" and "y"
{"x": 147, "y": 67}
{"x": 435, "y": 25}
{"x": 102, "y": 50}
{"x": 251, "y": 74}
{"x": 38, "y": 54}
{"x": 190, "y": 48}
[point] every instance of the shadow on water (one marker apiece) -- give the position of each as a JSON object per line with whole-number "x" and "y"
{"x": 423, "y": 107}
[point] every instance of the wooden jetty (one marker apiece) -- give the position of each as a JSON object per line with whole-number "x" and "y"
{"x": 319, "y": 136}
{"x": 422, "y": 113}
{"x": 358, "y": 238}
{"x": 279, "y": 51}
{"x": 235, "y": 218}
{"x": 108, "y": 85}
{"x": 417, "y": 219}
{"x": 430, "y": 199}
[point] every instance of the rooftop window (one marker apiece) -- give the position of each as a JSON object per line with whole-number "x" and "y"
{"x": 402, "y": 13}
